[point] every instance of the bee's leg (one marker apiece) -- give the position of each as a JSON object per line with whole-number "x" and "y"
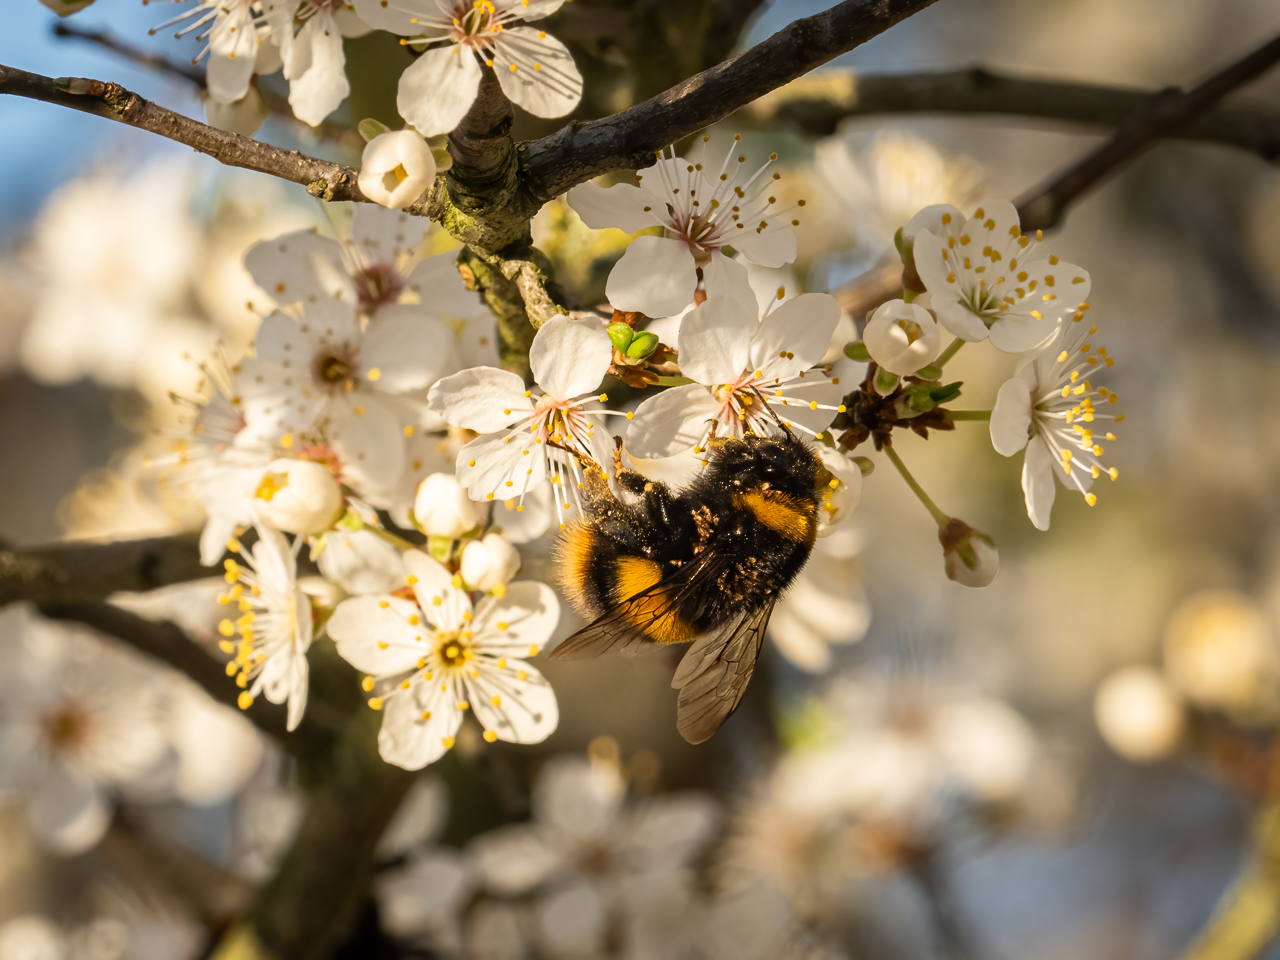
{"x": 629, "y": 480}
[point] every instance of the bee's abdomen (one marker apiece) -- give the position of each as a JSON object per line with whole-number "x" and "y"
{"x": 583, "y": 558}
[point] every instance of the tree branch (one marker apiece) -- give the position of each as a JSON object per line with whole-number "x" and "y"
{"x": 630, "y": 140}
{"x": 328, "y": 181}
{"x": 91, "y": 571}
{"x": 816, "y": 104}
{"x": 1171, "y": 110}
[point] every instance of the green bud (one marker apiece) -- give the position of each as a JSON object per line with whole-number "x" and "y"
{"x": 857, "y": 351}
{"x": 885, "y": 381}
{"x": 864, "y": 464}
{"x": 643, "y": 345}
{"x": 620, "y": 335}
{"x": 370, "y": 128}
{"x": 931, "y": 372}
{"x": 918, "y": 398}
{"x": 946, "y": 393}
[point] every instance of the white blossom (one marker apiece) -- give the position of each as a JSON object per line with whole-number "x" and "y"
{"x": 525, "y": 438}
{"x": 442, "y": 507}
{"x": 746, "y": 372}
{"x": 489, "y": 563}
{"x": 1050, "y": 407}
{"x": 274, "y": 625}
{"x": 431, "y": 658}
{"x": 902, "y": 337}
{"x": 298, "y": 496}
{"x": 986, "y": 279}
{"x": 396, "y": 168}
{"x": 700, "y": 212}
{"x": 360, "y": 561}
{"x": 535, "y": 71}
{"x": 233, "y": 40}
{"x": 310, "y": 34}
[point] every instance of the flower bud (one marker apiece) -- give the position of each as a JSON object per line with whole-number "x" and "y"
{"x": 642, "y": 345}
{"x": 1138, "y": 713}
{"x": 970, "y": 556}
{"x": 620, "y": 335}
{"x": 857, "y": 351}
{"x": 489, "y": 563}
{"x": 370, "y": 129}
{"x": 902, "y": 337}
{"x": 299, "y": 496}
{"x": 442, "y": 507}
{"x": 396, "y": 168}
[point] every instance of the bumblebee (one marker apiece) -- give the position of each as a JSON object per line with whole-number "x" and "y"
{"x": 705, "y": 565}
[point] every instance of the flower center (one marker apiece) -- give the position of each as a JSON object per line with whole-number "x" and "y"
{"x": 66, "y": 727}
{"x": 332, "y": 368}
{"x": 471, "y": 22}
{"x": 911, "y": 329}
{"x": 380, "y": 284}
{"x": 452, "y": 648}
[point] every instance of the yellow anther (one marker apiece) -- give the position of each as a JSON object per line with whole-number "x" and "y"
{"x": 1091, "y": 498}
{"x": 245, "y": 700}
{"x": 490, "y": 736}
{"x": 226, "y": 628}
{"x": 448, "y": 742}
{"x": 367, "y": 684}
{"x": 375, "y": 703}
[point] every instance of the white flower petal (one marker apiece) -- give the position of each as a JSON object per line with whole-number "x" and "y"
{"x": 386, "y": 15}
{"x": 444, "y": 604}
{"x": 319, "y": 90}
{"x": 794, "y": 407}
{"x": 553, "y": 87}
{"x": 286, "y": 267}
{"x": 426, "y": 896}
{"x": 382, "y": 235}
{"x": 801, "y": 327}
{"x": 517, "y": 710}
{"x": 1011, "y": 417}
{"x": 724, "y": 279}
{"x": 68, "y": 813}
{"x": 671, "y": 422}
{"x": 396, "y": 168}
{"x": 409, "y": 741}
{"x": 1037, "y": 482}
{"x": 930, "y": 218}
{"x": 1020, "y": 333}
{"x": 622, "y": 206}
{"x": 369, "y": 440}
{"x": 528, "y": 611}
{"x": 483, "y": 399}
{"x": 405, "y": 347}
{"x": 228, "y": 78}
{"x": 513, "y": 860}
{"x": 573, "y": 921}
{"x": 373, "y": 634}
{"x": 437, "y": 90}
{"x": 437, "y": 281}
{"x": 771, "y": 247}
{"x": 798, "y": 641}
{"x": 668, "y": 832}
{"x": 577, "y": 799}
{"x": 656, "y": 277}
{"x": 570, "y": 357}
{"x": 715, "y": 339}
{"x": 529, "y": 9}
{"x": 487, "y": 465}
{"x": 361, "y": 562}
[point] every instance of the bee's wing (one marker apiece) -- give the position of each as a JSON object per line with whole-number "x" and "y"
{"x": 714, "y": 674}
{"x": 681, "y": 593}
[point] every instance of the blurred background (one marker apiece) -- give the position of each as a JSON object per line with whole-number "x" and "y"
{"x": 1078, "y": 760}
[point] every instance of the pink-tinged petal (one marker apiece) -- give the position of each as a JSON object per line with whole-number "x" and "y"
{"x": 483, "y": 399}
{"x": 491, "y": 469}
{"x": 795, "y": 335}
{"x": 437, "y": 90}
{"x": 368, "y": 439}
{"x": 1020, "y": 333}
{"x": 518, "y": 709}
{"x": 1037, "y": 482}
{"x": 373, "y": 634}
{"x": 387, "y": 15}
{"x": 536, "y": 71}
{"x": 406, "y": 348}
{"x": 290, "y": 268}
{"x": 319, "y": 90}
{"x": 1011, "y": 417}
{"x": 671, "y": 422}
{"x": 715, "y": 339}
{"x": 228, "y": 79}
{"x": 656, "y": 277}
{"x": 570, "y": 357}
{"x": 418, "y": 726}
{"x": 622, "y": 206}
{"x": 771, "y": 247}
{"x": 528, "y": 611}
{"x": 438, "y": 284}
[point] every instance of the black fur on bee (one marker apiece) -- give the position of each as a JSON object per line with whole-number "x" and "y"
{"x": 704, "y": 564}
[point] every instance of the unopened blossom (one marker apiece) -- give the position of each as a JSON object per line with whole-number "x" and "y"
{"x": 78, "y": 719}
{"x": 1053, "y": 409}
{"x": 274, "y": 625}
{"x": 969, "y": 556}
{"x": 747, "y": 371}
{"x": 701, "y": 210}
{"x": 232, "y": 30}
{"x": 442, "y": 507}
{"x": 1139, "y": 714}
{"x": 374, "y": 268}
{"x": 298, "y": 496}
{"x": 344, "y": 380}
{"x": 431, "y": 658}
{"x": 986, "y": 279}
{"x": 902, "y": 337}
{"x": 488, "y": 563}
{"x": 310, "y": 34}
{"x": 593, "y": 858}
{"x": 526, "y": 438}
{"x": 535, "y": 71}
{"x": 396, "y": 168}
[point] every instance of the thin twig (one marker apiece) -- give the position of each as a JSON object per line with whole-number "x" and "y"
{"x": 1044, "y": 206}
{"x": 817, "y": 103}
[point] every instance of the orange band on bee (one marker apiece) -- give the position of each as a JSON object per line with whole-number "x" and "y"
{"x": 780, "y": 512}
{"x": 650, "y": 613}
